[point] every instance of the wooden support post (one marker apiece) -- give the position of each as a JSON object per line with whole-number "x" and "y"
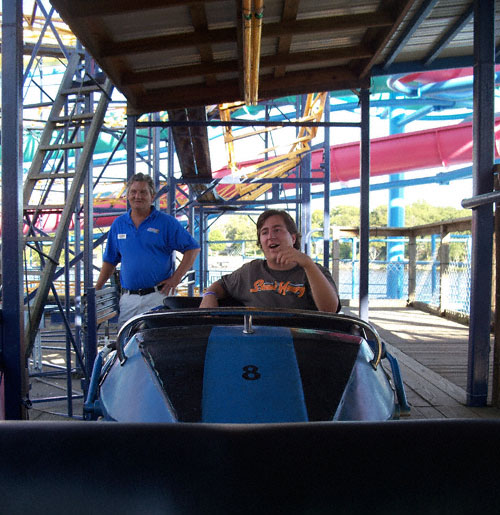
{"x": 412, "y": 268}
{"x": 336, "y": 257}
{"x": 444, "y": 276}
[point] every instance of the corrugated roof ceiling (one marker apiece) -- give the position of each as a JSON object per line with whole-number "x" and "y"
{"x": 167, "y": 54}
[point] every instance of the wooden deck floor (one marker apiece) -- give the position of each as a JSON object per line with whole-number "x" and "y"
{"x": 432, "y": 354}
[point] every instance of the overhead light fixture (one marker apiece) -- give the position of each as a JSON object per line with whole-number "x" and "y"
{"x": 253, "y": 12}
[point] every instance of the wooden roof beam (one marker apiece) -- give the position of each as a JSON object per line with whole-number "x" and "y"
{"x": 226, "y": 35}
{"x": 163, "y": 74}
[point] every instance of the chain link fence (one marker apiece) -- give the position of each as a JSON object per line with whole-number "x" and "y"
{"x": 445, "y": 284}
{"x": 226, "y": 256}
{"x": 437, "y": 283}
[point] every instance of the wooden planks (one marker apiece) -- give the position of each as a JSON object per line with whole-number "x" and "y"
{"x": 432, "y": 353}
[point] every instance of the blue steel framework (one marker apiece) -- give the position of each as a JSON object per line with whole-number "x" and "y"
{"x": 12, "y": 327}
{"x": 300, "y": 202}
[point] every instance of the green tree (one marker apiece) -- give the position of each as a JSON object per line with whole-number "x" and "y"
{"x": 216, "y": 235}
{"x": 346, "y": 216}
{"x": 241, "y": 227}
{"x": 421, "y": 213}
{"x": 340, "y": 216}
{"x": 378, "y": 217}
{"x": 317, "y": 219}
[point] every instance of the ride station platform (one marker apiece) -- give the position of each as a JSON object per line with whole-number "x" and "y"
{"x": 432, "y": 354}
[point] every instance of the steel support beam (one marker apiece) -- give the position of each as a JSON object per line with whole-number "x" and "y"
{"x": 131, "y": 146}
{"x": 482, "y": 217}
{"x": 14, "y": 367}
{"x": 326, "y": 191}
{"x": 364, "y": 208}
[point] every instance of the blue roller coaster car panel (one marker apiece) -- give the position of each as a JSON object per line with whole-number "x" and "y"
{"x": 246, "y": 366}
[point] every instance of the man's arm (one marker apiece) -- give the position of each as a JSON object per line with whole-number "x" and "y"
{"x": 324, "y": 295}
{"x": 212, "y": 295}
{"x": 105, "y": 273}
{"x": 185, "y": 265}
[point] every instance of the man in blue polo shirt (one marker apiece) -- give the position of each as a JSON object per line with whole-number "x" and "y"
{"x": 143, "y": 241}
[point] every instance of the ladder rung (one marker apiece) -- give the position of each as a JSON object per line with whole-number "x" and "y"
{"x": 45, "y": 208}
{"x": 83, "y": 90}
{"x": 39, "y": 238}
{"x": 51, "y": 176}
{"x": 62, "y": 146}
{"x": 73, "y": 118}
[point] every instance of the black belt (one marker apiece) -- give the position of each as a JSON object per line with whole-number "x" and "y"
{"x": 142, "y": 291}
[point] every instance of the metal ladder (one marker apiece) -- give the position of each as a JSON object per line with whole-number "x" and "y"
{"x": 69, "y": 135}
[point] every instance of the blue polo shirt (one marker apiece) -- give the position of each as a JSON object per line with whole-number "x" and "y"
{"x": 145, "y": 253}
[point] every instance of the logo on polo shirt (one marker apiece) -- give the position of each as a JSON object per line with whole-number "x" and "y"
{"x": 152, "y": 229}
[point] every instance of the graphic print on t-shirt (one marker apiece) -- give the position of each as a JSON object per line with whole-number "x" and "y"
{"x": 282, "y": 287}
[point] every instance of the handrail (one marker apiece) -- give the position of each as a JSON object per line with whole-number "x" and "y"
{"x": 484, "y": 198}
{"x": 481, "y": 200}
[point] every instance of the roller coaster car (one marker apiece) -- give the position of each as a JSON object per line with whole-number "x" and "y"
{"x": 245, "y": 365}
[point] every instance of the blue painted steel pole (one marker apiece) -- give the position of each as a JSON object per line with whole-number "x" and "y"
{"x": 88, "y": 268}
{"x": 195, "y": 233}
{"x": 395, "y": 218}
{"x": 203, "y": 256}
{"x": 170, "y": 173}
{"x": 14, "y": 362}
{"x": 91, "y": 340}
{"x": 482, "y": 217}
{"x": 364, "y": 226}
{"x": 354, "y": 280}
{"x": 131, "y": 145}
{"x": 326, "y": 189}
{"x": 156, "y": 142}
{"x": 67, "y": 310}
{"x": 305, "y": 207}
{"x": 305, "y": 199}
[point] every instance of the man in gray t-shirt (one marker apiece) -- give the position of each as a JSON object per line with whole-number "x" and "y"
{"x": 286, "y": 278}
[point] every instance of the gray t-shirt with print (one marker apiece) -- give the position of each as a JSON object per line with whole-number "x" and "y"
{"x": 256, "y": 285}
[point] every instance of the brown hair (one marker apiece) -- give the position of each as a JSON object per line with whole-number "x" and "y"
{"x": 142, "y": 177}
{"x": 290, "y": 224}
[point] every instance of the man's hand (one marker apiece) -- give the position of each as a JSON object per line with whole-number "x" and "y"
{"x": 169, "y": 285}
{"x": 324, "y": 295}
{"x": 292, "y": 256}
